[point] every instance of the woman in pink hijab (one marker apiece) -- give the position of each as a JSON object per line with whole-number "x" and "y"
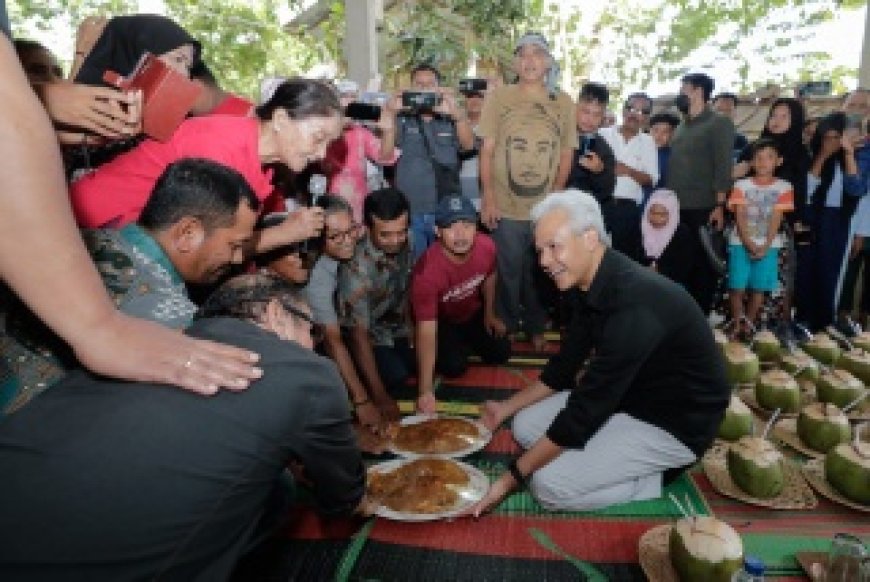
{"x": 667, "y": 244}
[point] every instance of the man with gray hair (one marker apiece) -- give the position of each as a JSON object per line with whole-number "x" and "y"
{"x": 652, "y": 394}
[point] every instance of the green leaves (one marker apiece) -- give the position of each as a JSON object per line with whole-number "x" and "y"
{"x": 635, "y": 45}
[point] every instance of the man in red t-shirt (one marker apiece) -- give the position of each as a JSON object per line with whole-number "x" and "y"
{"x": 452, "y": 297}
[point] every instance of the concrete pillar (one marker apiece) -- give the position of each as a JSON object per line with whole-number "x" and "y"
{"x": 864, "y": 67}
{"x": 361, "y": 39}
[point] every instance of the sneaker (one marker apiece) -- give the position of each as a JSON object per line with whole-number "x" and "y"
{"x": 846, "y": 327}
{"x": 800, "y": 332}
{"x": 784, "y": 333}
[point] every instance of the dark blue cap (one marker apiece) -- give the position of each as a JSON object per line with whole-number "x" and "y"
{"x": 454, "y": 208}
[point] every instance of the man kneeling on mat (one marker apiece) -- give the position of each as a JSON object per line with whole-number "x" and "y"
{"x": 652, "y": 395}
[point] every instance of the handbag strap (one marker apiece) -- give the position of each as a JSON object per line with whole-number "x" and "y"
{"x": 426, "y": 140}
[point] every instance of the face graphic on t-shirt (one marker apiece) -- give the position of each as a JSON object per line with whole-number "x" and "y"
{"x": 532, "y": 150}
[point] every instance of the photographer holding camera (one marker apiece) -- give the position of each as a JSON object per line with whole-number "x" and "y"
{"x": 431, "y": 131}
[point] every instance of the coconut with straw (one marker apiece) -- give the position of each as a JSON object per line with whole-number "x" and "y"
{"x": 703, "y": 547}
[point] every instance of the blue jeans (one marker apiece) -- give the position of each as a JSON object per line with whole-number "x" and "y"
{"x": 422, "y": 233}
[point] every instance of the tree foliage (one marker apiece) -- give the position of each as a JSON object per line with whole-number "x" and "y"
{"x": 628, "y": 44}
{"x": 242, "y": 40}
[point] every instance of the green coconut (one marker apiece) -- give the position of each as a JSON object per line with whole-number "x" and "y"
{"x": 847, "y": 469}
{"x": 766, "y": 346}
{"x": 705, "y": 548}
{"x": 741, "y": 364}
{"x": 862, "y": 341}
{"x": 756, "y": 466}
{"x": 777, "y": 389}
{"x": 823, "y": 426}
{"x": 857, "y": 362}
{"x": 823, "y": 348}
{"x": 799, "y": 364}
{"x": 839, "y": 387}
{"x": 737, "y": 421}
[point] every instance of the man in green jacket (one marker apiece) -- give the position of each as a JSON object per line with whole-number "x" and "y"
{"x": 699, "y": 172}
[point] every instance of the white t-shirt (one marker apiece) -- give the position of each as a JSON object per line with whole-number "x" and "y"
{"x": 640, "y": 153}
{"x": 760, "y": 200}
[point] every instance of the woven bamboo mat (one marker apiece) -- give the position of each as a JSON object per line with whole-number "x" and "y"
{"x": 520, "y": 541}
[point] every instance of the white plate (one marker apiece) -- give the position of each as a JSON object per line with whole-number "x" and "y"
{"x": 473, "y": 445}
{"x": 469, "y": 494}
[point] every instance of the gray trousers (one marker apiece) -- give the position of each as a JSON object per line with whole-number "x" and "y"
{"x": 623, "y": 461}
{"x": 517, "y": 296}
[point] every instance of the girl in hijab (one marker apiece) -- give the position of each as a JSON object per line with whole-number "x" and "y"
{"x": 119, "y": 47}
{"x": 126, "y": 38}
{"x": 834, "y": 186}
{"x": 667, "y": 243}
{"x": 785, "y": 126}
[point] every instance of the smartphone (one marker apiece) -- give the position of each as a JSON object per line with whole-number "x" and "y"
{"x": 587, "y": 145}
{"x": 472, "y": 86}
{"x": 420, "y": 100}
{"x": 363, "y": 111}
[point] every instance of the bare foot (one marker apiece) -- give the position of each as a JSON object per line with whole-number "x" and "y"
{"x": 539, "y": 342}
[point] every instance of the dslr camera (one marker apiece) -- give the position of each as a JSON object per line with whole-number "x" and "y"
{"x": 367, "y": 107}
{"x": 472, "y": 86}
{"x": 420, "y": 101}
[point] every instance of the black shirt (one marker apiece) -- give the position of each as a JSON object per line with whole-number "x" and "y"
{"x": 654, "y": 359}
{"x": 320, "y": 436}
{"x": 4, "y": 20}
{"x": 600, "y": 185}
{"x": 677, "y": 261}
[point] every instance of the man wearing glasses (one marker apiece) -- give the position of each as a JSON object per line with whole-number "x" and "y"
{"x": 636, "y": 166}
{"x": 373, "y": 307}
{"x": 338, "y": 243}
{"x": 152, "y": 482}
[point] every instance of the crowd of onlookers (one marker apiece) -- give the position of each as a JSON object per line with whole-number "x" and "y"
{"x": 398, "y": 247}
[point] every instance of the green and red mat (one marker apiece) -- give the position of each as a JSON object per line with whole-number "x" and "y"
{"x": 519, "y": 540}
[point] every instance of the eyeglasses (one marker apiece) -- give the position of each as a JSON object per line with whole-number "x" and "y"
{"x": 342, "y": 234}
{"x": 315, "y": 330}
{"x": 636, "y": 110}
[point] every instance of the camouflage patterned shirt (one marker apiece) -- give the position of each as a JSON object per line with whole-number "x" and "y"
{"x": 138, "y": 276}
{"x": 373, "y": 292}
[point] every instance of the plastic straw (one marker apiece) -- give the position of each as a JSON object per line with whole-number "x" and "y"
{"x": 689, "y": 505}
{"x": 770, "y": 423}
{"x": 679, "y": 505}
{"x": 855, "y": 402}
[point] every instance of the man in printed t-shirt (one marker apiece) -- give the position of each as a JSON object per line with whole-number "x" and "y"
{"x": 529, "y": 138}
{"x": 452, "y": 296}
